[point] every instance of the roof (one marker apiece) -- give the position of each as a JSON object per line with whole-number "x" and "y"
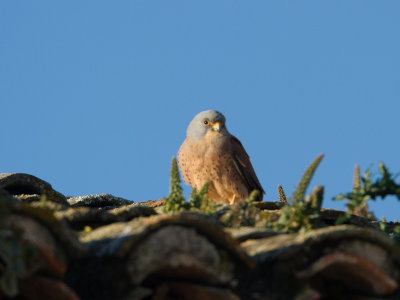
{"x": 106, "y": 247}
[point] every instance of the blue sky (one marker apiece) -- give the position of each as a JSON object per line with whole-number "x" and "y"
{"x": 96, "y": 95}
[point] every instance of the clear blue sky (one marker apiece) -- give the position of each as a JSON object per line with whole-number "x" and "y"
{"x": 96, "y": 95}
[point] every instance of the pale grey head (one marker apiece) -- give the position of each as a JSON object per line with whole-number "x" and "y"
{"x": 204, "y": 122}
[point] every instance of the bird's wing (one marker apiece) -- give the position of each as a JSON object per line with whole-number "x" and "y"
{"x": 242, "y": 163}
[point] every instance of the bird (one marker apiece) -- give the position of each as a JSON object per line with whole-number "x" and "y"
{"x": 211, "y": 154}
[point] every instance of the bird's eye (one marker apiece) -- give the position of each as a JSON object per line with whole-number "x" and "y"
{"x": 206, "y": 122}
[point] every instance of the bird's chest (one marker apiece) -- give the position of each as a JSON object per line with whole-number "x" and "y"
{"x": 209, "y": 157}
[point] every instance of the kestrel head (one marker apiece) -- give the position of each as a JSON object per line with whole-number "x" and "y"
{"x": 209, "y": 121}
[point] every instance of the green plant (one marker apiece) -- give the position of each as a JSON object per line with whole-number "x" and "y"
{"x": 282, "y": 196}
{"x": 301, "y": 213}
{"x": 393, "y": 232}
{"x": 254, "y": 196}
{"x": 200, "y": 202}
{"x": 364, "y": 188}
{"x": 43, "y": 199}
{"x": 176, "y": 201}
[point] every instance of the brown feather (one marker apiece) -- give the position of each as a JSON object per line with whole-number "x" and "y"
{"x": 242, "y": 162}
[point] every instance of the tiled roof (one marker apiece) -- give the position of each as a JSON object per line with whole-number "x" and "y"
{"x": 105, "y": 247}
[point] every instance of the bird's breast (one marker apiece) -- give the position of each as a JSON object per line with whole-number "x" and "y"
{"x": 200, "y": 160}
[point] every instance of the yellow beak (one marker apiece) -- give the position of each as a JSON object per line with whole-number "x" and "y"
{"x": 216, "y": 126}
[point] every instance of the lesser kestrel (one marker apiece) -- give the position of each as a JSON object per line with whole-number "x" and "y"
{"x": 211, "y": 154}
